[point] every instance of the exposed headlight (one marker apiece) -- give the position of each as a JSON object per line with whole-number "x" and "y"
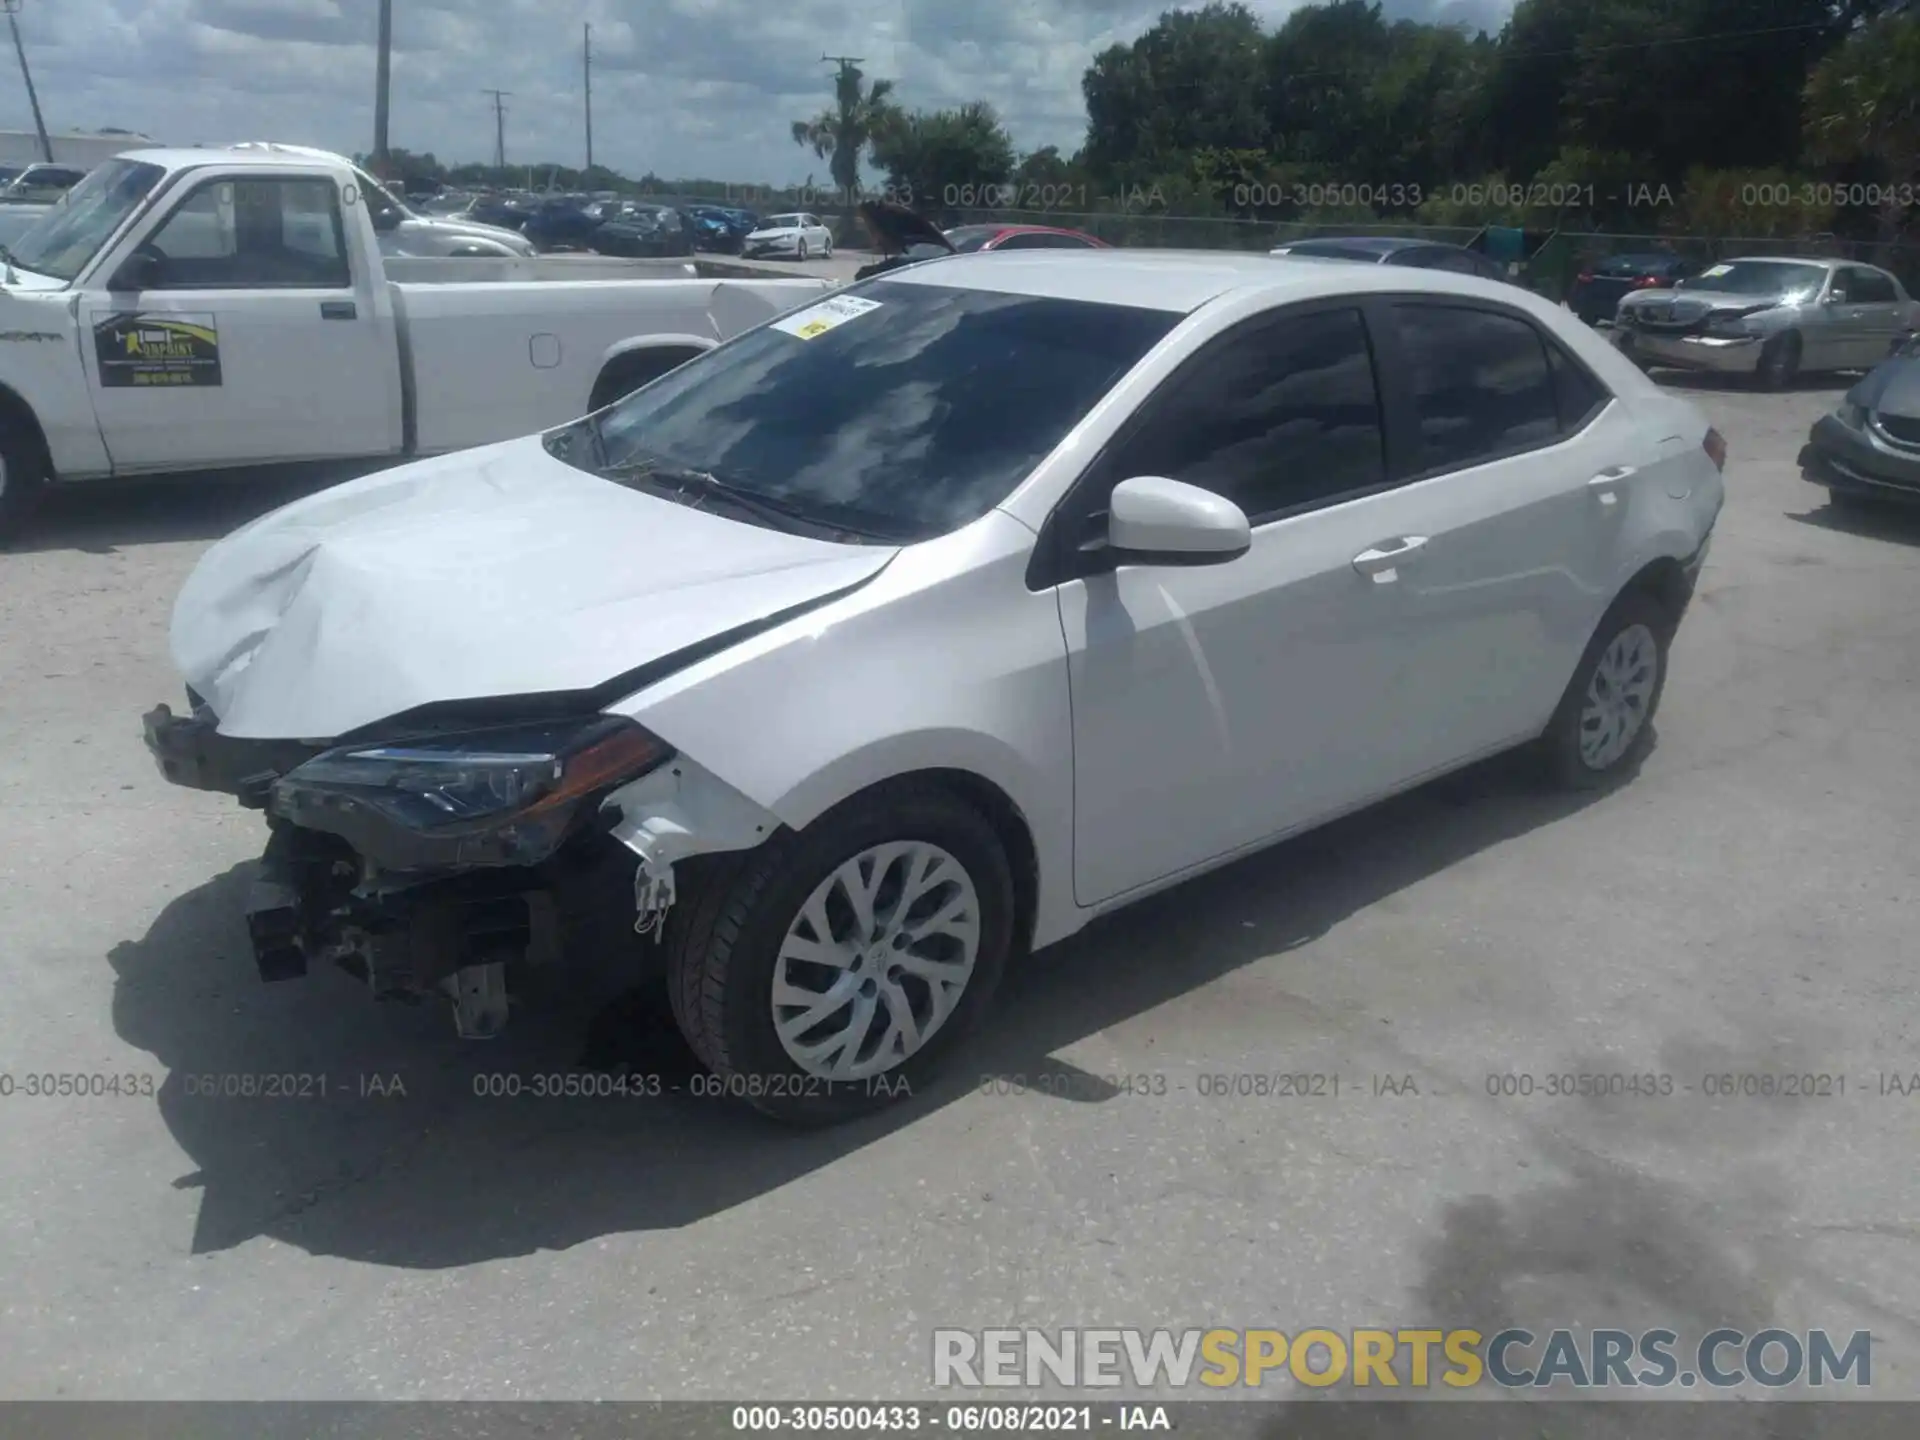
{"x": 1727, "y": 325}
{"x": 503, "y": 796}
{"x": 1850, "y": 415}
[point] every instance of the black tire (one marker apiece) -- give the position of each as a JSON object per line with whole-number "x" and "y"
{"x": 1842, "y": 499}
{"x": 724, "y": 949}
{"x": 623, "y": 377}
{"x": 1560, "y": 745}
{"x": 803, "y": 249}
{"x": 1779, "y": 361}
{"x": 23, "y": 478}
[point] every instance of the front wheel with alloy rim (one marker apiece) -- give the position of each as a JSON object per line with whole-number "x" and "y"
{"x": 834, "y": 969}
{"x": 803, "y": 249}
{"x": 1603, "y": 727}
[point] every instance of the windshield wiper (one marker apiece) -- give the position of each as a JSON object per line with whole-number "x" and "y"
{"x": 768, "y": 509}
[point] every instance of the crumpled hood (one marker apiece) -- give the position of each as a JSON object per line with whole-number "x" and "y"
{"x": 1690, "y": 305}
{"x": 427, "y": 229}
{"x": 492, "y": 572}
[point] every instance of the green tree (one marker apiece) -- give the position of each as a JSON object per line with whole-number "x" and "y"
{"x": 843, "y": 134}
{"x": 1863, "y": 103}
{"x": 946, "y": 159}
{"x": 1192, "y": 82}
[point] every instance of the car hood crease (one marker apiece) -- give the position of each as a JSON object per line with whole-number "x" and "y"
{"x": 495, "y": 572}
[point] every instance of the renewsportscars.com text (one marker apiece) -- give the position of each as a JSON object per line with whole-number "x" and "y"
{"x": 1460, "y": 1359}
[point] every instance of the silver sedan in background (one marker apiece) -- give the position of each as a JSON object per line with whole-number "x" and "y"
{"x": 1771, "y": 317}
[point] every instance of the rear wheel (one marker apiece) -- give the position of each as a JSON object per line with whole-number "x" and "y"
{"x": 1780, "y": 361}
{"x": 834, "y": 970}
{"x": 1603, "y": 727}
{"x": 803, "y": 249}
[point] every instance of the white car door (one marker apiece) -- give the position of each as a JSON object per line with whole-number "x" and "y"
{"x": 250, "y": 339}
{"x": 1520, "y": 470}
{"x": 1214, "y": 707}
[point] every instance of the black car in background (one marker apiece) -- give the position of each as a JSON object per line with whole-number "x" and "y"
{"x": 1395, "y": 250}
{"x": 635, "y": 228}
{"x": 1869, "y": 446}
{"x": 1598, "y": 289}
{"x": 508, "y": 210}
{"x": 566, "y": 222}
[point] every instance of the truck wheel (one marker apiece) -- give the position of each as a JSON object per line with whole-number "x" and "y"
{"x": 23, "y": 470}
{"x": 627, "y": 374}
{"x": 835, "y": 969}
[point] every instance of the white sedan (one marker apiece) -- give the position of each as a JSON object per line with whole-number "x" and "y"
{"x": 914, "y": 629}
{"x": 797, "y": 237}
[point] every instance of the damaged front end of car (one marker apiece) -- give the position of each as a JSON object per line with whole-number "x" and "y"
{"x": 440, "y": 856}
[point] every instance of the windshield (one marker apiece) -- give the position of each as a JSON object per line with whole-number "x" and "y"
{"x": 1632, "y": 265}
{"x": 1757, "y": 277}
{"x": 783, "y": 222}
{"x": 67, "y": 237}
{"x": 1327, "y": 250}
{"x": 902, "y": 410}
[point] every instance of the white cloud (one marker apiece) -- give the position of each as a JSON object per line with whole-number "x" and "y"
{"x": 681, "y": 87}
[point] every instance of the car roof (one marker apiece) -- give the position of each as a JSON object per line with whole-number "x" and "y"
{"x": 1179, "y": 281}
{"x": 1824, "y": 262}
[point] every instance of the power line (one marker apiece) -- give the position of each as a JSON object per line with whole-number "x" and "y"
{"x": 499, "y": 127}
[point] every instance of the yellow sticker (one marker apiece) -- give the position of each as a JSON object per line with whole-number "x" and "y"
{"x": 828, "y": 315}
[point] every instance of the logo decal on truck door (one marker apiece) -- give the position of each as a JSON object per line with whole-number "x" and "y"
{"x": 146, "y": 350}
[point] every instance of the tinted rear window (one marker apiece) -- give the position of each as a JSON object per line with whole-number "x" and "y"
{"x": 1319, "y": 251}
{"x": 1481, "y": 384}
{"x": 914, "y": 417}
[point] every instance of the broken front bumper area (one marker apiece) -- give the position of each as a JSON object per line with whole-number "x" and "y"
{"x": 436, "y": 861}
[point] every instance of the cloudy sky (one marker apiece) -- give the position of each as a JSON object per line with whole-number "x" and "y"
{"x": 681, "y": 87}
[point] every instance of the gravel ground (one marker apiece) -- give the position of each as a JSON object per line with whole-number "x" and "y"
{"x": 1744, "y": 906}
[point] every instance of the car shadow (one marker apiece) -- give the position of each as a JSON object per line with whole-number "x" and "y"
{"x": 1871, "y": 519}
{"x": 386, "y": 1139}
{"x": 100, "y": 516}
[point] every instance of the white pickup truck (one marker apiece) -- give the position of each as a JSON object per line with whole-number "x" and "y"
{"x": 192, "y": 309}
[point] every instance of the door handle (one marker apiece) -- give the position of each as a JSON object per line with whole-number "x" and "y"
{"x": 1382, "y": 563}
{"x": 1605, "y": 487}
{"x": 339, "y": 310}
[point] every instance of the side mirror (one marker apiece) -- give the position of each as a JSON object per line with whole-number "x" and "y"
{"x": 1152, "y": 520}
{"x": 139, "y": 271}
{"x": 385, "y": 218}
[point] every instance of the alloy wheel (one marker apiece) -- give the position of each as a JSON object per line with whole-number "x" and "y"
{"x": 1619, "y": 696}
{"x": 876, "y": 960}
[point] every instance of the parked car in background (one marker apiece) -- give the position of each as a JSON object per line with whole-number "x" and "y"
{"x": 1771, "y": 317}
{"x": 969, "y": 238}
{"x": 1395, "y": 250}
{"x": 633, "y": 227}
{"x": 507, "y": 211}
{"x": 41, "y": 184}
{"x": 564, "y": 222}
{"x": 1060, "y": 578}
{"x": 1869, "y": 447}
{"x": 8, "y": 173}
{"x": 1597, "y": 290}
{"x": 789, "y": 237}
{"x": 720, "y": 228}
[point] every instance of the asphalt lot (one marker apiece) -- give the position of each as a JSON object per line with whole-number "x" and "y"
{"x": 1744, "y": 906}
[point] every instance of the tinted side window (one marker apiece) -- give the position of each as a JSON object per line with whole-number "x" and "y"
{"x": 1578, "y": 393}
{"x": 1869, "y": 287}
{"x": 1275, "y": 417}
{"x": 1024, "y": 242}
{"x": 1480, "y": 381}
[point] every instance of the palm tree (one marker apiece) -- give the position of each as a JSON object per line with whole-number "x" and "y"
{"x": 1863, "y": 101}
{"x": 841, "y": 134}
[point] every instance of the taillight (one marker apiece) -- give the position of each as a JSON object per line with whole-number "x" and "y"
{"x": 1583, "y": 277}
{"x": 1646, "y": 282}
{"x": 1716, "y": 447}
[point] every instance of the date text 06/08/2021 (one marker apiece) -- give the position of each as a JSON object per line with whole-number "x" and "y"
{"x": 973, "y": 1419}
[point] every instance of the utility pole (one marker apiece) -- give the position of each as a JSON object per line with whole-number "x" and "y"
{"x": 39, "y": 124}
{"x": 587, "y": 62}
{"x": 499, "y": 127}
{"x": 383, "y": 70}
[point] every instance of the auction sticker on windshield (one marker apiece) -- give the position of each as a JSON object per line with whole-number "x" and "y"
{"x": 828, "y": 315}
{"x": 1714, "y": 271}
{"x": 136, "y": 348}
